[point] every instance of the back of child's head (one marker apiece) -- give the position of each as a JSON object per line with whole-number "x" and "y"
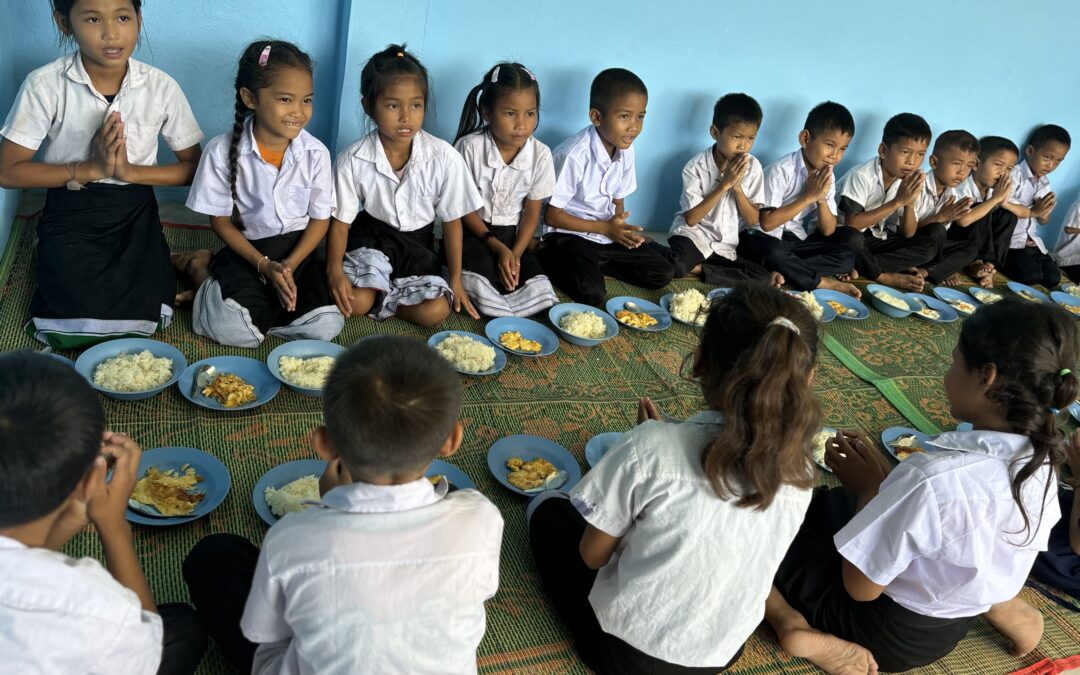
{"x": 736, "y": 109}
{"x": 1049, "y": 133}
{"x": 504, "y": 78}
{"x": 905, "y": 126}
{"x": 830, "y": 116}
{"x": 388, "y": 67}
{"x": 1033, "y": 348}
{"x": 613, "y": 84}
{"x": 51, "y": 426}
{"x": 390, "y": 403}
{"x": 956, "y": 139}
{"x": 991, "y": 145}
{"x": 754, "y": 364}
{"x": 259, "y": 65}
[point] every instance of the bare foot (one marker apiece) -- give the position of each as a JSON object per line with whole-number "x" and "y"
{"x": 1018, "y": 621}
{"x": 922, "y": 272}
{"x": 184, "y": 297}
{"x": 192, "y": 267}
{"x": 828, "y": 652}
{"x": 776, "y": 279}
{"x": 902, "y": 280}
{"x": 986, "y": 282}
{"x": 696, "y": 271}
{"x": 833, "y": 284}
{"x": 951, "y": 280}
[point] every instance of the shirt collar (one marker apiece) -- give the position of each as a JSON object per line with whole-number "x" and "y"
{"x": 293, "y": 151}
{"x": 493, "y": 157}
{"x": 596, "y": 144}
{"x": 997, "y": 444}
{"x": 801, "y": 170}
{"x": 371, "y": 149}
{"x": 880, "y": 175}
{"x": 134, "y": 77}
{"x": 1027, "y": 175}
{"x": 707, "y": 417}
{"x": 366, "y": 498}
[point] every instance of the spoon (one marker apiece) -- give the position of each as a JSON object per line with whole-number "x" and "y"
{"x": 150, "y": 511}
{"x": 895, "y": 443}
{"x": 553, "y": 482}
{"x": 204, "y": 375}
{"x": 638, "y": 309}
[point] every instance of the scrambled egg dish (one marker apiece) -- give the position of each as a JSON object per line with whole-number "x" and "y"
{"x": 528, "y": 475}
{"x": 1072, "y": 309}
{"x": 928, "y": 313}
{"x": 907, "y": 447}
{"x": 513, "y": 340}
{"x": 229, "y": 390}
{"x": 961, "y": 306}
{"x": 1028, "y": 296}
{"x": 635, "y": 319}
{"x": 170, "y": 492}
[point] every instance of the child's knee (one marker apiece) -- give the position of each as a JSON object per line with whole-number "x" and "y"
{"x": 362, "y": 300}
{"x": 431, "y": 313}
{"x": 208, "y": 553}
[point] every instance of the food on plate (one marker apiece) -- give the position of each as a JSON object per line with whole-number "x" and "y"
{"x": 290, "y": 497}
{"x": 690, "y": 306}
{"x": 635, "y": 319}
{"x": 1072, "y": 289}
{"x": 586, "y": 325}
{"x": 891, "y": 300}
{"x": 985, "y": 296}
{"x": 906, "y": 447}
{"x": 436, "y": 479}
{"x": 512, "y": 339}
{"x": 466, "y": 353}
{"x": 1072, "y": 309}
{"x": 230, "y": 390}
{"x": 133, "y": 372}
{"x": 961, "y": 306}
{"x": 928, "y": 313}
{"x": 807, "y": 298}
{"x": 171, "y": 492}
{"x": 817, "y": 444}
{"x": 528, "y": 475}
{"x": 1028, "y": 296}
{"x": 308, "y": 373}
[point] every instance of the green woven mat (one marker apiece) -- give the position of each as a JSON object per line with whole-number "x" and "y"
{"x": 568, "y": 397}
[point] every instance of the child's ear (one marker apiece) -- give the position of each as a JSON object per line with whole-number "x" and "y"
{"x": 365, "y": 105}
{"x": 247, "y": 97}
{"x": 933, "y": 161}
{"x": 453, "y": 441}
{"x": 988, "y": 376}
{"x": 881, "y": 150}
{"x": 813, "y": 374}
{"x": 714, "y": 132}
{"x": 61, "y": 23}
{"x": 595, "y": 117}
{"x": 322, "y": 445}
{"x": 1029, "y": 151}
{"x": 804, "y": 139}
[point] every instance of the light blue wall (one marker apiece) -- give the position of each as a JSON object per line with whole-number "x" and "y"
{"x": 986, "y": 67}
{"x": 9, "y": 84}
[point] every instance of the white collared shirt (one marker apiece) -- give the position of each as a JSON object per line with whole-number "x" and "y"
{"x": 505, "y": 187}
{"x": 718, "y": 231}
{"x": 688, "y": 581}
{"x": 435, "y": 183}
{"x": 785, "y": 181}
{"x": 58, "y": 102}
{"x": 969, "y": 188}
{"x": 863, "y": 189}
{"x": 943, "y": 534}
{"x": 391, "y": 575}
{"x": 587, "y": 180}
{"x": 1026, "y": 189}
{"x": 930, "y": 202}
{"x": 62, "y": 615}
{"x": 271, "y": 201}
{"x": 1067, "y": 248}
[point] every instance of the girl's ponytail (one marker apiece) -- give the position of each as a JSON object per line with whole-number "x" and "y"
{"x": 234, "y": 158}
{"x": 502, "y": 78}
{"x": 470, "y": 113}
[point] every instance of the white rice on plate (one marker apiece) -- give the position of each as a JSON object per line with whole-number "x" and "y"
{"x": 290, "y": 497}
{"x": 810, "y": 301}
{"x": 892, "y": 301}
{"x": 467, "y": 354}
{"x": 309, "y": 373}
{"x": 133, "y": 372}
{"x": 586, "y": 325}
{"x": 690, "y": 306}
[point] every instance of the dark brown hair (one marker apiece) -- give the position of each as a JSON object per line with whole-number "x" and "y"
{"x": 503, "y": 78}
{"x": 755, "y": 372}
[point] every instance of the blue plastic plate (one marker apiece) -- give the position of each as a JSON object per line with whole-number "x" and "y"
{"x": 529, "y": 329}
{"x": 88, "y": 361}
{"x": 599, "y": 444}
{"x": 953, "y": 295}
{"x": 215, "y": 481}
{"x": 1074, "y": 410}
{"x": 716, "y": 292}
{"x": 500, "y": 355}
{"x": 663, "y": 317}
{"x": 946, "y": 312}
{"x": 529, "y": 448}
{"x": 855, "y": 310}
{"x": 665, "y": 304}
{"x": 301, "y": 349}
{"x": 454, "y": 475}
{"x": 62, "y": 359}
{"x": 1027, "y": 292}
{"x": 827, "y": 313}
{"x": 558, "y": 311}
{"x": 1067, "y": 301}
{"x": 892, "y": 433}
{"x": 984, "y": 295}
{"x": 251, "y": 371}
{"x": 889, "y": 310}
{"x": 280, "y": 476}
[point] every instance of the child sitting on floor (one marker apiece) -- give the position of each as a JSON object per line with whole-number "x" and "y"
{"x": 661, "y": 559}
{"x": 1067, "y": 248}
{"x": 388, "y": 573}
{"x": 924, "y": 548}
{"x": 59, "y": 614}
{"x": 991, "y": 225}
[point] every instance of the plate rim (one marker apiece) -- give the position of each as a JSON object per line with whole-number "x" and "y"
{"x": 153, "y": 391}
{"x": 660, "y": 326}
{"x": 539, "y": 326}
{"x": 573, "y": 469}
{"x": 257, "y": 498}
{"x": 133, "y": 516}
{"x": 500, "y": 354}
{"x": 254, "y": 404}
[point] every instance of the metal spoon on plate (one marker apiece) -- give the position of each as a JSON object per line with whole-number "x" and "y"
{"x": 204, "y": 375}
{"x": 554, "y": 481}
{"x": 632, "y": 306}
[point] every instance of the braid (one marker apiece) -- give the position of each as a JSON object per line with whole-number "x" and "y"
{"x": 234, "y": 158}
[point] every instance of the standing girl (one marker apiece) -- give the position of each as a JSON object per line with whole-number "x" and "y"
{"x": 390, "y": 186}
{"x": 663, "y": 556}
{"x": 103, "y": 266}
{"x": 948, "y": 534}
{"x": 514, "y": 174}
{"x": 268, "y": 188}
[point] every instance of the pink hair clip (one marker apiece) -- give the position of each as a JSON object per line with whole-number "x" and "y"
{"x": 265, "y": 56}
{"x": 495, "y": 74}
{"x": 531, "y": 76}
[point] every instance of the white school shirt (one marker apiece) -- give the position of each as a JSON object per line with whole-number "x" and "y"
{"x": 62, "y": 615}
{"x": 943, "y": 534}
{"x": 58, "y": 102}
{"x": 435, "y": 183}
{"x": 1026, "y": 189}
{"x": 271, "y": 201}
{"x": 785, "y": 180}
{"x": 587, "y": 180}
{"x": 930, "y": 202}
{"x": 969, "y": 188}
{"x": 1067, "y": 249}
{"x": 505, "y": 187}
{"x": 387, "y": 579}
{"x": 865, "y": 186}
{"x": 689, "y": 579}
{"x": 718, "y": 231}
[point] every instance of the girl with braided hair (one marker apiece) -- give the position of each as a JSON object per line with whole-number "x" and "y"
{"x": 268, "y": 189}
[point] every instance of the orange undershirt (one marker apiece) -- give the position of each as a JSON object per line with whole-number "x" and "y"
{"x": 270, "y": 156}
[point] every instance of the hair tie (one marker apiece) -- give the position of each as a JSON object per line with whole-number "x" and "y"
{"x": 529, "y": 72}
{"x": 265, "y": 56}
{"x": 1063, "y": 372}
{"x": 786, "y": 323}
{"x": 495, "y": 74}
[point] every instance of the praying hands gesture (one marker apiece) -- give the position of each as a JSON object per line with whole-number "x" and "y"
{"x": 951, "y": 209}
{"x": 280, "y": 274}
{"x": 858, "y": 465}
{"x": 622, "y": 232}
{"x": 1002, "y": 188}
{"x": 732, "y": 175}
{"x": 1044, "y": 206}
{"x": 910, "y": 188}
{"x": 106, "y": 144}
{"x": 818, "y": 183}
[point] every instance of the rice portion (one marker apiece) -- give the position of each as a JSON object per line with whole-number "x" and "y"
{"x": 289, "y": 498}
{"x": 810, "y": 301}
{"x": 891, "y": 300}
{"x": 586, "y": 325}
{"x": 309, "y": 373}
{"x": 133, "y": 372}
{"x": 690, "y": 307}
{"x": 467, "y": 354}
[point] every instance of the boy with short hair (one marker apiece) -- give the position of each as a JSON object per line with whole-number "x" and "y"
{"x": 989, "y": 186}
{"x": 59, "y": 614}
{"x": 587, "y": 232}
{"x": 388, "y": 573}
{"x": 722, "y": 192}
{"x": 1033, "y": 202}
{"x": 798, "y": 220}
{"x": 877, "y": 198}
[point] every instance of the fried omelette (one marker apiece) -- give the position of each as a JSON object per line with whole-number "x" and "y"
{"x": 635, "y": 319}
{"x": 512, "y": 339}
{"x": 528, "y": 475}
{"x": 170, "y": 492}
{"x": 229, "y": 390}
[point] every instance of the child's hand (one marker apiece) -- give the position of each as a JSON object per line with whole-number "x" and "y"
{"x": 122, "y": 169}
{"x": 622, "y": 232}
{"x": 333, "y": 475}
{"x": 818, "y": 183}
{"x": 461, "y": 298}
{"x": 509, "y": 266}
{"x": 910, "y": 188}
{"x": 1002, "y": 188}
{"x": 1072, "y": 230}
{"x": 856, "y": 463}
{"x": 104, "y": 145}
{"x": 341, "y": 291}
{"x": 1044, "y": 205}
{"x": 107, "y": 507}
{"x": 734, "y": 172}
{"x": 646, "y": 410}
{"x": 952, "y": 209}
{"x": 280, "y": 275}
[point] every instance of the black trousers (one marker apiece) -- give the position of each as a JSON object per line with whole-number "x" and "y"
{"x": 1073, "y": 272}
{"x": 810, "y": 579}
{"x": 1029, "y": 265}
{"x": 802, "y": 261}
{"x": 218, "y": 572}
{"x": 895, "y": 253}
{"x": 715, "y": 269}
{"x": 476, "y": 257}
{"x": 993, "y": 232}
{"x": 953, "y": 254}
{"x": 577, "y": 266}
{"x": 184, "y": 641}
{"x": 555, "y": 531}
{"x": 1058, "y": 565}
